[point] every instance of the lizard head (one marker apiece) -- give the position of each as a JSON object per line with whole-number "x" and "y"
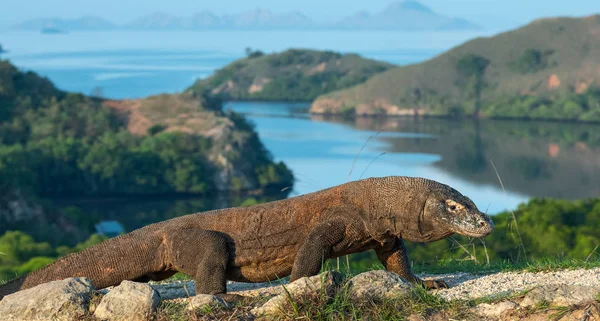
{"x": 456, "y": 212}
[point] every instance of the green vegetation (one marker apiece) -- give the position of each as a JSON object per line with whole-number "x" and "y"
{"x": 59, "y": 144}
{"x": 54, "y": 143}
{"x": 568, "y": 106}
{"x": 293, "y": 75}
{"x": 20, "y": 254}
{"x": 253, "y": 53}
{"x": 532, "y": 61}
{"x": 540, "y": 71}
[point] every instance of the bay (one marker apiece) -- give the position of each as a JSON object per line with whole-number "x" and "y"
{"x": 533, "y": 159}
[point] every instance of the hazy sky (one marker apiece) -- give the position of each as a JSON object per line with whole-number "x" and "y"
{"x": 486, "y": 12}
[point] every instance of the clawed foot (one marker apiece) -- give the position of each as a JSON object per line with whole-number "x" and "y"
{"x": 435, "y": 284}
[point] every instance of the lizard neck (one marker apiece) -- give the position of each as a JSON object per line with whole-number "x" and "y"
{"x": 395, "y": 207}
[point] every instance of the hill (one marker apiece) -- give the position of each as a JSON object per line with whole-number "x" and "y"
{"x": 544, "y": 70}
{"x": 295, "y": 74}
{"x": 54, "y": 143}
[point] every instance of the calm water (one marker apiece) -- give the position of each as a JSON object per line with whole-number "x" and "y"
{"x": 137, "y": 64}
{"x": 533, "y": 159}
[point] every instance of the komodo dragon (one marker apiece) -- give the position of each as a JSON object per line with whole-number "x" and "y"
{"x": 268, "y": 241}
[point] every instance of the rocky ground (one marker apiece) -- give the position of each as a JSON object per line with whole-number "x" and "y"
{"x": 557, "y": 295}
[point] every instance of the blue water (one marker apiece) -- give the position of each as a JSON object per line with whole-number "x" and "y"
{"x": 137, "y": 64}
{"x": 325, "y": 152}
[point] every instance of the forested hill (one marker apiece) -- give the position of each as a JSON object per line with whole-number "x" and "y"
{"x": 292, "y": 75}
{"x": 547, "y": 69}
{"x": 54, "y": 143}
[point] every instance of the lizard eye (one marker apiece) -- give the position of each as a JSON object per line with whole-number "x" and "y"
{"x": 452, "y": 206}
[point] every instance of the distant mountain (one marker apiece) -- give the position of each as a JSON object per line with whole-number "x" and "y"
{"x": 83, "y": 23}
{"x": 253, "y": 19}
{"x": 405, "y": 15}
{"x": 158, "y": 20}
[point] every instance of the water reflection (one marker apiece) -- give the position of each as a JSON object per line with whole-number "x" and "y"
{"x": 538, "y": 159}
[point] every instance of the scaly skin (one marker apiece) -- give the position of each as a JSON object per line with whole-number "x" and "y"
{"x": 273, "y": 240}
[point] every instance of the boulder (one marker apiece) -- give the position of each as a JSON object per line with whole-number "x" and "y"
{"x": 130, "y": 301}
{"x": 57, "y": 300}
{"x": 377, "y": 285}
{"x": 322, "y": 284}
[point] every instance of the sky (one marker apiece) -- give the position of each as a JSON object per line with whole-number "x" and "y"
{"x": 489, "y": 13}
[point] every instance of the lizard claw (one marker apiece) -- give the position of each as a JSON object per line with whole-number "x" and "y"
{"x": 435, "y": 284}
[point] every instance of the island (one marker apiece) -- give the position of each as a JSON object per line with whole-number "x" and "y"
{"x": 292, "y": 75}
{"x": 544, "y": 70}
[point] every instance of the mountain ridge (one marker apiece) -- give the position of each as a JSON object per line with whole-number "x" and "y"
{"x": 401, "y": 15}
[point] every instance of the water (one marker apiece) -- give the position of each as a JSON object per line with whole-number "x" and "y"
{"x": 533, "y": 159}
{"x": 129, "y": 64}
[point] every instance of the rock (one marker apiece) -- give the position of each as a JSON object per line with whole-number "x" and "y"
{"x": 377, "y": 285}
{"x": 495, "y": 309}
{"x": 204, "y": 300}
{"x": 560, "y": 294}
{"x": 57, "y": 300}
{"x": 168, "y": 291}
{"x": 130, "y": 301}
{"x": 324, "y": 283}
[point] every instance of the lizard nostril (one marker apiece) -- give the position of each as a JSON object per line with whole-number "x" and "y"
{"x": 481, "y": 223}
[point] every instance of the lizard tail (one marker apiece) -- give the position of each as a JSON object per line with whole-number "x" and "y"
{"x": 126, "y": 257}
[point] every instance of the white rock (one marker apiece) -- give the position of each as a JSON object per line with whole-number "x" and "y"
{"x": 57, "y": 301}
{"x": 377, "y": 285}
{"x": 324, "y": 283}
{"x": 130, "y": 301}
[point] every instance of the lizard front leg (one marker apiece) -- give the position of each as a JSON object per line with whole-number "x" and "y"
{"x": 317, "y": 248}
{"x": 393, "y": 257}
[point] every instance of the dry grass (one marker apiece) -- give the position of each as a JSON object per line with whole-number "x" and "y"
{"x": 176, "y": 113}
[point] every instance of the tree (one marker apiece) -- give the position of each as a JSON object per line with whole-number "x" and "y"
{"x": 96, "y": 92}
{"x": 253, "y": 53}
{"x": 471, "y": 68}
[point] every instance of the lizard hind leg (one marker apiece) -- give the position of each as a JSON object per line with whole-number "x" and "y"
{"x": 201, "y": 254}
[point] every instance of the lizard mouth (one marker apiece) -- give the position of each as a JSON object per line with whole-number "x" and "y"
{"x": 482, "y": 227}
